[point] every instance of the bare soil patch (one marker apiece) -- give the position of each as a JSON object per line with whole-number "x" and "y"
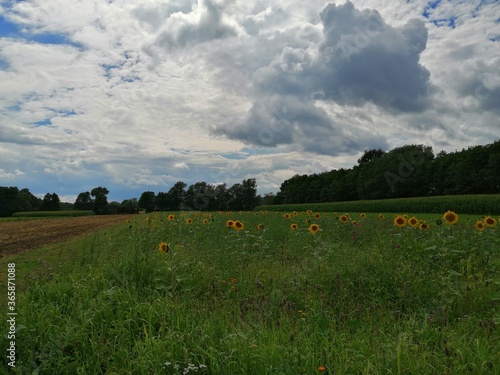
{"x": 19, "y": 236}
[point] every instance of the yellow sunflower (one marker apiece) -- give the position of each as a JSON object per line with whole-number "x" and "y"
{"x": 260, "y": 226}
{"x": 380, "y": 216}
{"x": 423, "y": 226}
{"x": 314, "y": 228}
{"x": 317, "y": 216}
{"x": 171, "y": 217}
{"x": 362, "y": 215}
{"x": 344, "y": 218}
{"x": 489, "y": 221}
{"x": 399, "y": 221}
{"x": 480, "y": 226}
{"x": 189, "y": 221}
{"x": 450, "y": 217}
{"x": 238, "y": 225}
{"x": 163, "y": 248}
{"x": 205, "y": 221}
{"x": 293, "y": 226}
{"x": 413, "y": 221}
{"x": 229, "y": 223}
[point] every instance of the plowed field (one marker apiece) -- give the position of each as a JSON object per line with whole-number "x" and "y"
{"x": 17, "y": 236}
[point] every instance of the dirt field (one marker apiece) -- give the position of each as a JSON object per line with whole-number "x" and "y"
{"x": 17, "y": 236}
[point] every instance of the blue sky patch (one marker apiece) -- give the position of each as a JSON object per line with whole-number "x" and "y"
{"x": 4, "y": 65}
{"x": 430, "y": 5}
{"x": 45, "y": 122}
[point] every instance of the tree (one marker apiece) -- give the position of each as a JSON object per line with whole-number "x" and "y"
{"x": 370, "y": 155}
{"x": 177, "y": 195}
{"x": 50, "y": 202}
{"x": 100, "y": 199}
{"x": 147, "y": 201}
{"x": 84, "y": 202}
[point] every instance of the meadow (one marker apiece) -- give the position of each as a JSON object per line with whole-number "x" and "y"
{"x": 264, "y": 293}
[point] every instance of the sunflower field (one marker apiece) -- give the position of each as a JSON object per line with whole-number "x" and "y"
{"x": 267, "y": 293}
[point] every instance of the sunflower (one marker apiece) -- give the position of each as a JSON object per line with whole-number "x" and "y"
{"x": 189, "y": 221}
{"x": 489, "y": 221}
{"x": 205, "y": 221}
{"x": 399, "y": 221}
{"x": 229, "y": 223}
{"x": 362, "y": 215}
{"x": 479, "y": 225}
{"x": 238, "y": 225}
{"x": 317, "y": 216}
{"x": 344, "y": 218}
{"x": 260, "y": 227}
{"x": 171, "y": 217}
{"x": 413, "y": 221}
{"x": 293, "y": 226}
{"x": 450, "y": 217}
{"x": 354, "y": 222}
{"x": 423, "y": 226}
{"x": 380, "y": 216}
{"x": 309, "y": 212}
{"x": 314, "y": 228}
{"x": 286, "y": 216}
{"x": 163, "y": 248}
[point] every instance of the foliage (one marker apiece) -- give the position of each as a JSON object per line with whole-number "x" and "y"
{"x": 69, "y": 213}
{"x": 408, "y": 171}
{"x": 184, "y": 293}
{"x": 470, "y": 204}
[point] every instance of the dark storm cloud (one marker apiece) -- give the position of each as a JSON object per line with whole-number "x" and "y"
{"x": 283, "y": 120}
{"x": 360, "y": 59}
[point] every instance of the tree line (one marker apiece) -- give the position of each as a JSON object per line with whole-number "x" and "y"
{"x": 199, "y": 196}
{"x": 408, "y": 171}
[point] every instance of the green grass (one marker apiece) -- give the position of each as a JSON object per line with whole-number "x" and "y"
{"x": 70, "y": 213}
{"x": 466, "y": 204}
{"x": 369, "y": 298}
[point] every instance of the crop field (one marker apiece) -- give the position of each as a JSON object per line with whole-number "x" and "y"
{"x": 263, "y": 293}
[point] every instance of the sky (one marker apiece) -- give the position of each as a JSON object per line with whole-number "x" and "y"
{"x": 137, "y": 95}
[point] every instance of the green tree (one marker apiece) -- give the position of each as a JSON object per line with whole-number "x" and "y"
{"x": 50, "y": 202}
{"x": 147, "y": 201}
{"x": 84, "y": 201}
{"x": 100, "y": 199}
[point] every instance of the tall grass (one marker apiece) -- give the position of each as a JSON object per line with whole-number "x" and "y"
{"x": 354, "y": 298}
{"x": 71, "y": 213}
{"x": 465, "y": 204}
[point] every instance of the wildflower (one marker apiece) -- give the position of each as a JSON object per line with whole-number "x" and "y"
{"x": 344, "y": 218}
{"x": 314, "y": 228}
{"x": 189, "y": 220}
{"x": 380, "y": 216}
{"x": 489, "y": 221}
{"x": 293, "y": 226}
{"x": 260, "y": 227}
{"x": 480, "y": 225}
{"x": 238, "y": 225}
{"x": 399, "y": 221}
{"x": 163, "y": 248}
{"x": 423, "y": 226}
{"x": 362, "y": 215}
{"x": 450, "y": 217}
{"x": 321, "y": 368}
{"x": 229, "y": 223}
{"x": 413, "y": 222}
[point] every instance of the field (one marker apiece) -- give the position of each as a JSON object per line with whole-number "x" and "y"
{"x": 466, "y": 204}
{"x": 16, "y": 236}
{"x": 67, "y": 213}
{"x": 273, "y": 293}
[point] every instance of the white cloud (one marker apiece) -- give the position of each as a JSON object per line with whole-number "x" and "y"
{"x": 138, "y": 95}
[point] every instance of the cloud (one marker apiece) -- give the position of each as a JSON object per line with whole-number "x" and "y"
{"x": 206, "y": 22}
